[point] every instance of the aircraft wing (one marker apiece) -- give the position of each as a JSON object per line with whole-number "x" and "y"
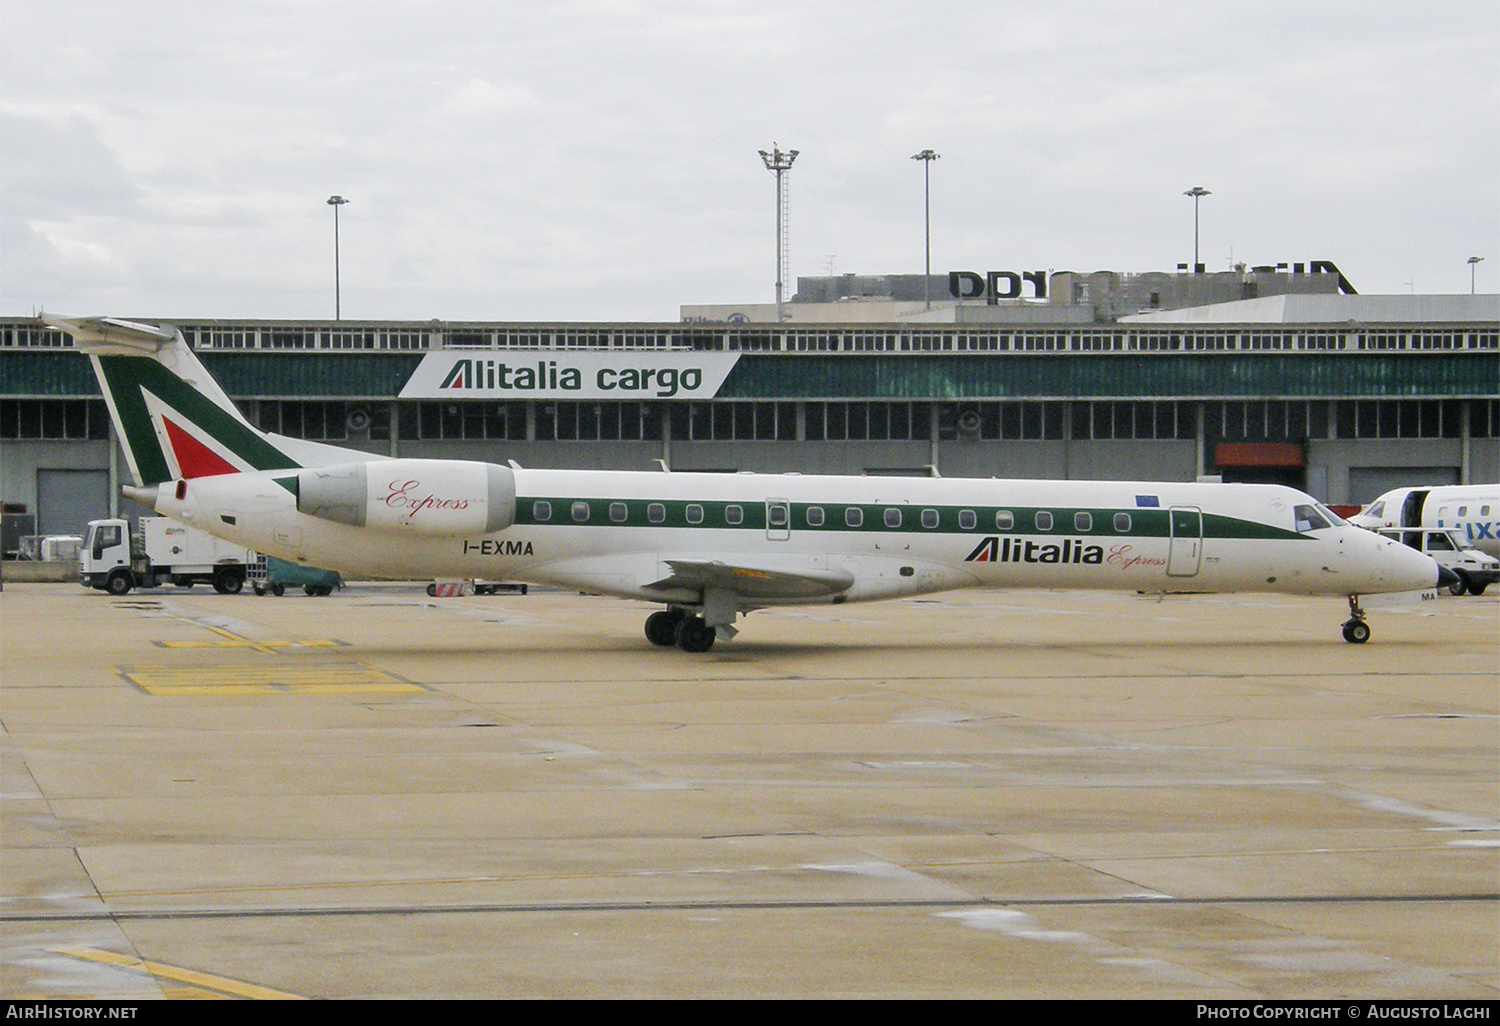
{"x": 752, "y": 582}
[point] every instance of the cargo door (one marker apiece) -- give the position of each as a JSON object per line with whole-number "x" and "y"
{"x": 778, "y": 519}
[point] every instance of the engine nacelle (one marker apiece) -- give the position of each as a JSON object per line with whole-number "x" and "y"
{"x": 429, "y": 497}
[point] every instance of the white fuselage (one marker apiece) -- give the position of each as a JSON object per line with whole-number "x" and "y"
{"x": 614, "y": 533}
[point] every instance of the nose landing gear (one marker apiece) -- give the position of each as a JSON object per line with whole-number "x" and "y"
{"x": 1356, "y": 631}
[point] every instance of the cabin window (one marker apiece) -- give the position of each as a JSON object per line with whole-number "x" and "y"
{"x": 1122, "y": 522}
{"x": 1083, "y": 522}
{"x": 541, "y": 510}
{"x": 1004, "y": 520}
{"x": 694, "y": 513}
{"x": 854, "y": 516}
{"x": 734, "y": 515}
{"x": 814, "y": 516}
{"x": 929, "y": 518}
{"x": 618, "y": 512}
{"x": 580, "y": 511}
{"x": 777, "y": 515}
{"x": 1463, "y": 511}
{"x": 1043, "y": 520}
{"x": 893, "y": 518}
{"x": 1484, "y": 511}
{"x": 656, "y": 513}
{"x": 967, "y": 519}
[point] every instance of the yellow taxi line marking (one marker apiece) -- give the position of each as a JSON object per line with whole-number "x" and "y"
{"x": 264, "y": 646}
{"x": 265, "y": 679}
{"x": 162, "y": 971}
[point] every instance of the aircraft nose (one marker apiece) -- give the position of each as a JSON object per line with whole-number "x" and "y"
{"x": 1446, "y": 577}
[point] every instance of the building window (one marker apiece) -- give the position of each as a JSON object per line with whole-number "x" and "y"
{"x": 66, "y": 419}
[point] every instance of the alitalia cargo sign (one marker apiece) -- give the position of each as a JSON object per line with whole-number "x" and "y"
{"x": 551, "y": 374}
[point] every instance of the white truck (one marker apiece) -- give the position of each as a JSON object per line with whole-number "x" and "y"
{"x": 114, "y": 560}
{"x": 1451, "y": 548}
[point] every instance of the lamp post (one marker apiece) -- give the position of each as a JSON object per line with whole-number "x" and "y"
{"x": 1197, "y": 192}
{"x": 927, "y": 157}
{"x": 778, "y": 163}
{"x": 335, "y": 202}
{"x": 1473, "y": 263}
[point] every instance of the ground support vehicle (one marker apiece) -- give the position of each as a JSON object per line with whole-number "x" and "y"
{"x": 1450, "y": 548}
{"x": 115, "y": 560}
{"x": 278, "y": 574}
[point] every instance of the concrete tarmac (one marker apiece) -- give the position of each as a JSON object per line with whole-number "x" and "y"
{"x": 984, "y": 794}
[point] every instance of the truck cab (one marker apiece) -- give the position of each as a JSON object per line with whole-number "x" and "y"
{"x": 1450, "y": 548}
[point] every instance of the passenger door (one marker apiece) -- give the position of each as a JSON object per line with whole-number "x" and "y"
{"x": 1186, "y": 551}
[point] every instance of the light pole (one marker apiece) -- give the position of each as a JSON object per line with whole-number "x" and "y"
{"x": 778, "y": 163}
{"x": 927, "y": 157}
{"x": 335, "y": 202}
{"x": 1197, "y": 192}
{"x": 1473, "y": 263}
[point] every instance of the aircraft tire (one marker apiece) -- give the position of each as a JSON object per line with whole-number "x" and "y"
{"x": 661, "y": 627}
{"x": 1356, "y": 632}
{"x": 118, "y": 583}
{"x": 693, "y": 635}
{"x": 228, "y": 582}
{"x": 1461, "y": 585}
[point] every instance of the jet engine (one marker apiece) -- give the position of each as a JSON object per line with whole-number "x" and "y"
{"x": 427, "y": 497}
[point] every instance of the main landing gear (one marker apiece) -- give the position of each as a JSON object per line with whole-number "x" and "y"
{"x": 1356, "y": 631}
{"x": 674, "y": 627}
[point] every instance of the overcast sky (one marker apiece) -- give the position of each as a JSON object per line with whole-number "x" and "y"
{"x": 597, "y": 160}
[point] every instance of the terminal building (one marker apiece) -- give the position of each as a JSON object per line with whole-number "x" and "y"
{"x": 1264, "y": 374}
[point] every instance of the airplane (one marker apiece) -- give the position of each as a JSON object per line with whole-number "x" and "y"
{"x": 707, "y": 547}
{"x": 1473, "y": 509}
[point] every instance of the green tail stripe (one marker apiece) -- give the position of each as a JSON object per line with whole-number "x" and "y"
{"x": 126, "y": 376}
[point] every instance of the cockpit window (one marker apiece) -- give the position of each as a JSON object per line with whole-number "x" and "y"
{"x": 1374, "y": 509}
{"x": 1310, "y": 519}
{"x": 1332, "y": 517}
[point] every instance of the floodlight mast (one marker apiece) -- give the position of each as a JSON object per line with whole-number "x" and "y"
{"x": 335, "y": 202}
{"x": 1473, "y": 265}
{"x": 927, "y": 157}
{"x": 1197, "y": 192}
{"x": 778, "y": 163}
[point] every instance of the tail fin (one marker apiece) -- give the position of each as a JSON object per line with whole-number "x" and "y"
{"x": 174, "y": 421}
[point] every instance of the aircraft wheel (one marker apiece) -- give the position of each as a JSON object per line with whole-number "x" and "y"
{"x": 661, "y": 627}
{"x": 228, "y": 582}
{"x": 118, "y": 583}
{"x": 1461, "y": 585}
{"x": 1356, "y": 632}
{"x": 693, "y": 635}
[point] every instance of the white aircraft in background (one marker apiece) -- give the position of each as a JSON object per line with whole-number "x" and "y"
{"x": 709, "y": 547}
{"x": 1472, "y": 509}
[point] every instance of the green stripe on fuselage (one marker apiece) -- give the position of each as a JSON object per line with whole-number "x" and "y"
{"x": 1144, "y": 522}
